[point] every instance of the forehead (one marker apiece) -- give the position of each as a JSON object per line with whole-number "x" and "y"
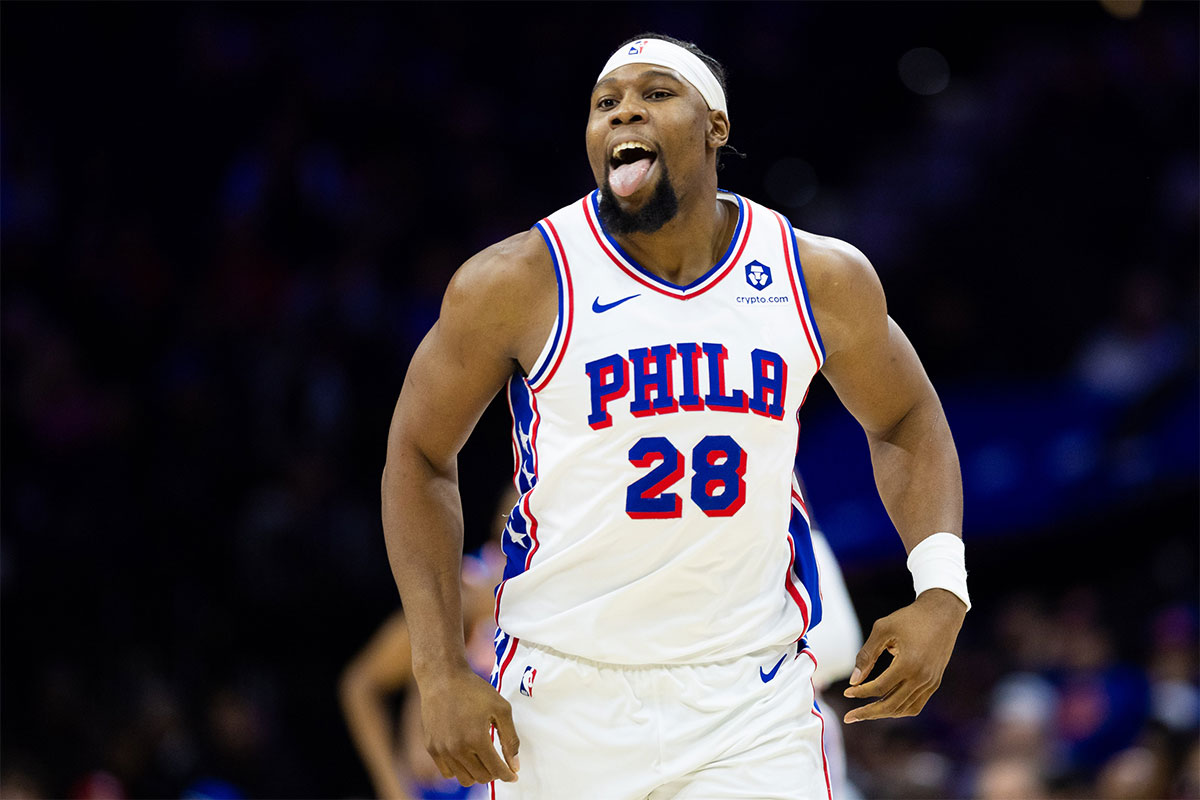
{"x": 639, "y": 73}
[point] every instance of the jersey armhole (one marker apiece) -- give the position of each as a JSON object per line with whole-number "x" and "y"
{"x": 807, "y": 318}
{"x": 547, "y": 362}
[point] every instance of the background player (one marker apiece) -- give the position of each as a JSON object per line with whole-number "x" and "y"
{"x": 393, "y": 751}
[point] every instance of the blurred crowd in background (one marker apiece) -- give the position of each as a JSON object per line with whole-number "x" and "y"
{"x": 225, "y": 228}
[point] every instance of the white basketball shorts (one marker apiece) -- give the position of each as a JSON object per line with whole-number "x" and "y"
{"x": 743, "y": 728}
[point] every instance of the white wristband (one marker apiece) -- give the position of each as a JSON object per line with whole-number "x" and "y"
{"x": 939, "y": 562}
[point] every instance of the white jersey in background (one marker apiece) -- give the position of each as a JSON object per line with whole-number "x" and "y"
{"x": 659, "y": 521}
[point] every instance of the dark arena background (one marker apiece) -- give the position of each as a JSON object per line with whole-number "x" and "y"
{"x": 225, "y": 228}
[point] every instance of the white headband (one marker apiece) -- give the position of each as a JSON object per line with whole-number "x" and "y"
{"x": 664, "y": 54}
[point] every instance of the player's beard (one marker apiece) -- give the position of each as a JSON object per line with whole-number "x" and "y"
{"x": 660, "y": 209}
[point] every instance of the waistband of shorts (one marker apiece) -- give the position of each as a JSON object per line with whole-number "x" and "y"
{"x": 798, "y": 645}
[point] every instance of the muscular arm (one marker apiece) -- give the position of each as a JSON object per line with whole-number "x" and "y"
{"x": 492, "y": 316}
{"x": 878, "y": 377}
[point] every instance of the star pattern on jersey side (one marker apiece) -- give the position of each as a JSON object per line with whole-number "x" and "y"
{"x": 517, "y": 537}
{"x": 526, "y": 447}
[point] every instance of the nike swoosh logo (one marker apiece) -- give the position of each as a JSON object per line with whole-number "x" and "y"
{"x": 600, "y": 308}
{"x": 766, "y": 676}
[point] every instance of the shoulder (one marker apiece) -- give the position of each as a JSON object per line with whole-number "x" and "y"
{"x": 504, "y": 293}
{"x": 845, "y": 292}
{"x": 503, "y": 271}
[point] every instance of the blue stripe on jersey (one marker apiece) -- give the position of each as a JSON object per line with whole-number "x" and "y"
{"x": 805, "y": 566}
{"x": 501, "y": 645}
{"x": 517, "y": 541}
{"x": 804, "y": 288}
{"x": 648, "y": 274}
{"x": 558, "y": 324}
{"x": 522, "y": 414}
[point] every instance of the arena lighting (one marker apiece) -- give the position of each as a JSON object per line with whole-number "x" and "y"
{"x": 924, "y": 71}
{"x": 1122, "y": 9}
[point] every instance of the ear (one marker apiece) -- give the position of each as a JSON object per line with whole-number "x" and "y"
{"x": 718, "y": 129}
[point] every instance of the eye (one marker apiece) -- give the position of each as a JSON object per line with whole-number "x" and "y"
{"x": 660, "y": 94}
{"x": 606, "y": 102}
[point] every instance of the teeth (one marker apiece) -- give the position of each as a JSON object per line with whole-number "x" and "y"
{"x": 629, "y": 146}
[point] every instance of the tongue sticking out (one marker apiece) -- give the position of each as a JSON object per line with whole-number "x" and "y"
{"x": 627, "y": 178}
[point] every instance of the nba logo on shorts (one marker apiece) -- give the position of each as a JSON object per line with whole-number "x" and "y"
{"x": 636, "y": 48}
{"x": 527, "y": 681}
{"x": 758, "y": 275}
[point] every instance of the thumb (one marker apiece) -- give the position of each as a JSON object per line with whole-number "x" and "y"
{"x": 510, "y": 743}
{"x": 864, "y": 662}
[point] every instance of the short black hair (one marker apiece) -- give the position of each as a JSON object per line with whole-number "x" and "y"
{"x": 714, "y": 66}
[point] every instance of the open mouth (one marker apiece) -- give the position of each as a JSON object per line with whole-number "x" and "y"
{"x": 628, "y": 163}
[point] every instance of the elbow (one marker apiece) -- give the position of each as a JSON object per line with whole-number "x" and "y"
{"x": 922, "y": 419}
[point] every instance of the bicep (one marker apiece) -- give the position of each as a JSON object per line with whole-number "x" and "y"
{"x": 880, "y": 379}
{"x": 456, "y": 371}
{"x": 444, "y": 396}
{"x": 870, "y": 363}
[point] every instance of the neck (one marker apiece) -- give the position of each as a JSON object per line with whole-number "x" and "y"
{"x": 691, "y": 243}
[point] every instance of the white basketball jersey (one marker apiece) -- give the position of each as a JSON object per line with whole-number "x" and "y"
{"x": 655, "y": 440}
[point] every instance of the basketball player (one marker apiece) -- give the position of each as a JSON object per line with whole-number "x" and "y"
{"x": 657, "y": 339}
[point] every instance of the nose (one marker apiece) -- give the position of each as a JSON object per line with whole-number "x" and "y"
{"x": 631, "y": 109}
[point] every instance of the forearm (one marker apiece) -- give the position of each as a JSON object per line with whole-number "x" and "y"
{"x": 917, "y": 474}
{"x": 423, "y": 529}
{"x": 367, "y": 719}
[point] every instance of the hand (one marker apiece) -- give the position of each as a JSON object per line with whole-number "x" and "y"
{"x": 920, "y": 638}
{"x": 458, "y": 712}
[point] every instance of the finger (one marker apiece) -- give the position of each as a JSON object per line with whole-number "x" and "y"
{"x": 458, "y": 771}
{"x": 882, "y": 686}
{"x": 510, "y": 743}
{"x": 495, "y": 767}
{"x": 481, "y": 770}
{"x": 469, "y": 770}
{"x": 872, "y": 648}
{"x": 442, "y": 765}
{"x": 894, "y": 704}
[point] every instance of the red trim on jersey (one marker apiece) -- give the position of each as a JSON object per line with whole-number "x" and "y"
{"x": 824, "y": 759}
{"x": 533, "y": 524}
{"x": 800, "y": 306}
{"x": 512, "y": 649}
{"x": 524, "y": 500}
{"x": 496, "y": 605}
{"x": 587, "y": 213}
{"x": 569, "y": 302}
{"x": 791, "y": 587}
{"x": 516, "y": 444}
{"x": 803, "y": 508}
{"x": 818, "y": 715}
